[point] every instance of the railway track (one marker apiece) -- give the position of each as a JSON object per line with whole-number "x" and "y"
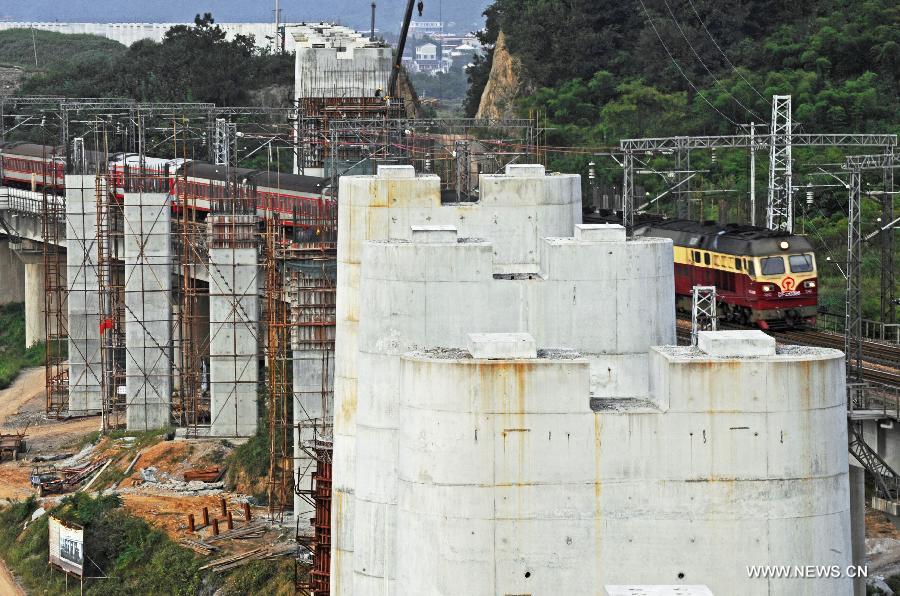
{"x": 881, "y": 361}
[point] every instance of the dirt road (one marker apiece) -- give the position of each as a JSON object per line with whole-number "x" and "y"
{"x": 20, "y": 396}
{"x": 21, "y": 405}
{"x": 7, "y": 584}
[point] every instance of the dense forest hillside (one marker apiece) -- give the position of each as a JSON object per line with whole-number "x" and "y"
{"x": 707, "y": 69}
{"x": 601, "y": 71}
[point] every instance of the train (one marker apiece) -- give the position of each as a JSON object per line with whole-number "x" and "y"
{"x": 764, "y": 278}
{"x": 294, "y": 199}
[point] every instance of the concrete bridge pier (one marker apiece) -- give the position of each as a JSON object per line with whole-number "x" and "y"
{"x": 35, "y": 323}
{"x": 12, "y": 274}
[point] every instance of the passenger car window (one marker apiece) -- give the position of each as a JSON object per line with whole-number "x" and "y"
{"x": 772, "y": 265}
{"x": 801, "y": 263}
{"x": 706, "y": 258}
{"x": 696, "y": 256}
{"x": 751, "y": 268}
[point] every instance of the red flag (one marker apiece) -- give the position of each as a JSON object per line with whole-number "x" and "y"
{"x": 106, "y": 324}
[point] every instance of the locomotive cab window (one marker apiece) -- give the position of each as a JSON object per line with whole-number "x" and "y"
{"x": 737, "y": 264}
{"x": 751, "y": 268}
{"x": 801, "y": 263}
{"x": 772, "y": 266}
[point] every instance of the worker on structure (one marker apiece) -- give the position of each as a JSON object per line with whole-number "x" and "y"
{"x": 378, "y": 93}
{"x": 421, "y": 7}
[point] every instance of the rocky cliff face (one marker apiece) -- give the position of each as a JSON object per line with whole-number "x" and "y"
{"x": 504, "y": 84}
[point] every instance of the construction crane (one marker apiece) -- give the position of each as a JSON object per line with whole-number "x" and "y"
{"x": 401, "y": 45}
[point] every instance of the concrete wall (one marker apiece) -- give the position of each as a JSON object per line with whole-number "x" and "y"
{"x": 510, "y": 483}
{"x": 12, "y": 272}
{"x": 148, "y": 311}
{"x": 515, "y": 212}
{"x": 234, "y": 341}
{"x": 83, "y": 298}
{"x": 426, "y": 292}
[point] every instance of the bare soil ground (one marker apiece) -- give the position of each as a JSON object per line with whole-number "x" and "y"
{"x": 8, "y": 585}
{"x": 22, "y": 408}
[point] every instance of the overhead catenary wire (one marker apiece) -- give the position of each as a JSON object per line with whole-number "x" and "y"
{"x": 724, "y": 55}
{"x": 702, "y": 63}
{"x": 680, "y": 70}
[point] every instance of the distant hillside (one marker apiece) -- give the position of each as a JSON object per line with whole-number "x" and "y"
{"x": 17, "y": 48}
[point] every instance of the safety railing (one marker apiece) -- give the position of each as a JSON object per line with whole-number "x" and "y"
{"x": 871, "y": 330}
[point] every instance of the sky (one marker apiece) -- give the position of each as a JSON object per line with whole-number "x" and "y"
{"x": 355, "y": 13}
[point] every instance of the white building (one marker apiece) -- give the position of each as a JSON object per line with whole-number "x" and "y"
{"x": 128, "y": 33}
{"x": 426, "y": 51}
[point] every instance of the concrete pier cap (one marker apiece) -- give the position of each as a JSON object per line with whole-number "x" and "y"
{"x": 502, "y": 346}
{"x": 735, "y": 344}
{"x": 600, "y": 232}
{"x": 434, "y": 234}
{"x": 521, "y": 170}
{"x": 396, "y": 172}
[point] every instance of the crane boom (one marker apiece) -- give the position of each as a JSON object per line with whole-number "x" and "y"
{"x": 401, "y": 46}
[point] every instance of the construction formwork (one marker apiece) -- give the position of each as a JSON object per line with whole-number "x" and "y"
{"x": 55, "y": 307}
{"x": 339, "y": 135}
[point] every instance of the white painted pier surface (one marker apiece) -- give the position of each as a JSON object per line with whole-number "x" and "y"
{"x": 83, "y": 296}
{"x": 148, "y": 311}
{"x": 233, "y": 341}
{"x": 422, "y": 294}
{"x": 514, "y": 212}
{"x": 512, "y": 482}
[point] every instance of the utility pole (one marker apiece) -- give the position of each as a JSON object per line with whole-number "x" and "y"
{"x": 681, "y": 209}
{"x": 779, "y": 208}
{"x": 753, "y": 173}
{"x": 888, "y": 308}
{"x": 628, "y": 191}
{"x": 853, "y": 308}
{"x": 275, "y": 39}
{"x": 853, "y": 300}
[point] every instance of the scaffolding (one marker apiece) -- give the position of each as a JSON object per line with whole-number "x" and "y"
{"x": 293, "y": 320}
{"x": 52, "y": 218}
{"x": 111, "y": 296}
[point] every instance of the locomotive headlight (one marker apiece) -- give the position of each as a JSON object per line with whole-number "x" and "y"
{"x": 784, "y": 245}
{"x": 809, "y": 284}
{"x": 767, "y": 287}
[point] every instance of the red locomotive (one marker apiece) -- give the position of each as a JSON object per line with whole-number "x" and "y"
{"x": 762, "y": 277}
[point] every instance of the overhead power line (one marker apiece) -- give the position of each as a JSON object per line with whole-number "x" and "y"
{"x": 724, "y": 55}
{"x": 702, "y": 63}
{"x": 680, "y": 70}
